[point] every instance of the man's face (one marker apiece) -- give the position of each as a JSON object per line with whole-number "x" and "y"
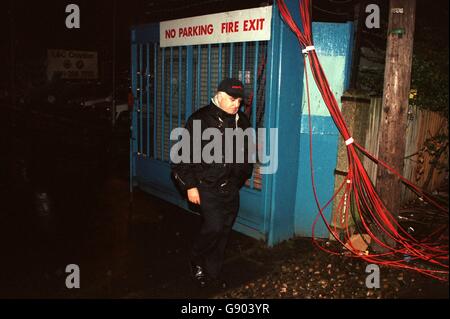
{"x": 228, "y": 103}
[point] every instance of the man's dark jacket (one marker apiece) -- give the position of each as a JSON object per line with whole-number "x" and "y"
{"x": 215, "y": 176}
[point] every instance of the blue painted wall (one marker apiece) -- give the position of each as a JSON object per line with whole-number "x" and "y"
{"x": 333, "y": 43}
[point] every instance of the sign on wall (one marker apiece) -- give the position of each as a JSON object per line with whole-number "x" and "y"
{"x": 234, "y": 26}
{"x": 72, "y": 64}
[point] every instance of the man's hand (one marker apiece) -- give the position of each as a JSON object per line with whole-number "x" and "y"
{"x": 193, "y": 195}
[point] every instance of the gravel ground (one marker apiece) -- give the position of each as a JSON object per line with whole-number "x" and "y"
{"x": 300, "y": 270}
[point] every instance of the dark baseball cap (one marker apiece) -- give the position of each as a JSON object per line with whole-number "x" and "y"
{"x": 232, "y": 87}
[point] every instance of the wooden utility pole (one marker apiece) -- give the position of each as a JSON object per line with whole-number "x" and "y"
{"x": 397, "y": 78}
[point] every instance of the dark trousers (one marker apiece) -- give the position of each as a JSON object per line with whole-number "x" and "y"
{"x": 218, "y": 211}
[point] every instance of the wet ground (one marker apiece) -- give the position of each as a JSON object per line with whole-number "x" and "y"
{"x": 71, "y": 205}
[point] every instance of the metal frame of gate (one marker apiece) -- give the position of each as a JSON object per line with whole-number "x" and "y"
{"x": 171, "y": 83}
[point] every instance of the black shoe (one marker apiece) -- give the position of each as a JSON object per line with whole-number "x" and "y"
{"x": 198, "y": 274}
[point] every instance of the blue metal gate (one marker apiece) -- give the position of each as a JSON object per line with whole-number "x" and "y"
{"x": 168, "y": 84}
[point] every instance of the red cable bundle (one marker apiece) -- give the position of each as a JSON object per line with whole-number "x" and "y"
{"x": 359, "y": 194}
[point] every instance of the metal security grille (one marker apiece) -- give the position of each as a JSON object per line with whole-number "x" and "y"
{"x": 209, "y": 66}
{"x": 144, "y": 102}
{"x": 171, "y": 83}
{"x": 170, "y": 97}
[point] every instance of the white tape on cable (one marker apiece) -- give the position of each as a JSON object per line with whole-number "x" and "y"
{"x": 308, "y": 48}
{"x": 349, "y": 141}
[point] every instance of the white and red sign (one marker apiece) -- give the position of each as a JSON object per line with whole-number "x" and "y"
{"x": 234, "y": 26}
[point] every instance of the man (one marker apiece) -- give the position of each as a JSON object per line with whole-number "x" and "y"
{"x": 215, "y": 185}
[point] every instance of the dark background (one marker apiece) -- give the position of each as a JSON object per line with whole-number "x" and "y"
{"x": 29, "y": 28}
